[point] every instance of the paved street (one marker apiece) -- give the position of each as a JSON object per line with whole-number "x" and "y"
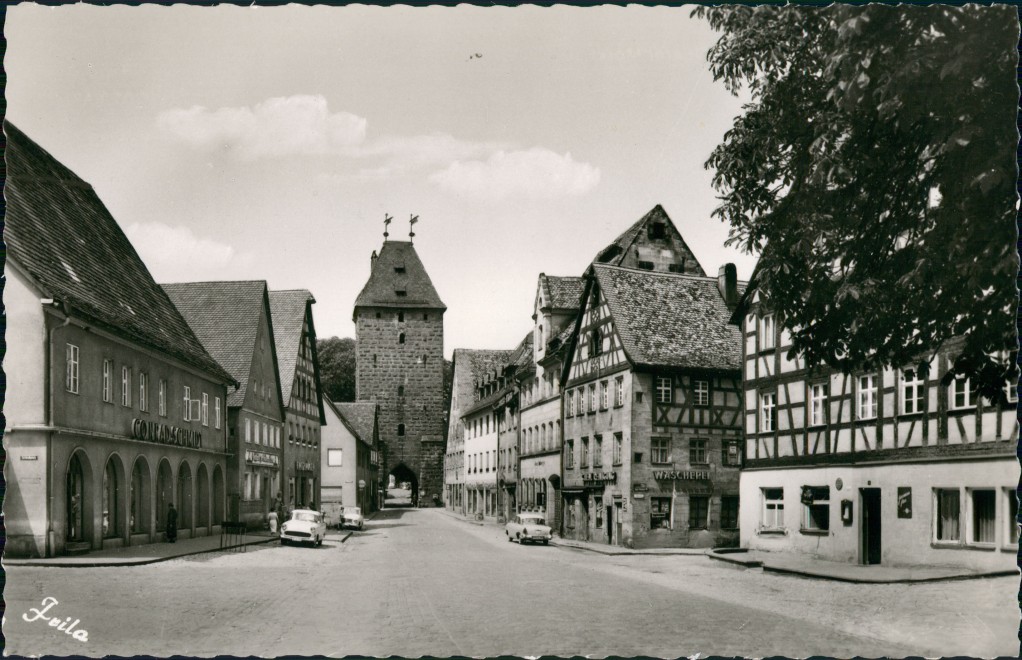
{"x": 421, "y": 582}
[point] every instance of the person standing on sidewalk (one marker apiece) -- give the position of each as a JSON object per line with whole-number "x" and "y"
{"x": 172, "y": 523}
{"x": 272, "y": 519}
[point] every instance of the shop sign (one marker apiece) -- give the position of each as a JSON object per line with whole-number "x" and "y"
{"x": 598, "y": 478}
{"x": 261, "y": 458}
{"x": 165, "y": 434}
{"x": 303, "y": 465}
{"x": 640, "y": 488}
{"x": 684, "y": 475}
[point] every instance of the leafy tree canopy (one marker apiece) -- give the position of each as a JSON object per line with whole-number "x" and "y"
{"x": 874, "y": 170}
{"x": 337, "y": 367}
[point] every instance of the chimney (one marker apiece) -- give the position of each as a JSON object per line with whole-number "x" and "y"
{"x": 727, "y": 284}
{"x": 372, "y": 261}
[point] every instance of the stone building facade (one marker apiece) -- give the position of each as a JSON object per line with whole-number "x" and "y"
{"x": 399, "y": 325}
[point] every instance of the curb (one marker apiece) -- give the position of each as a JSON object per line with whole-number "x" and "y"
{"x": 630, "y": 553}
{"x": 136, "y": 562}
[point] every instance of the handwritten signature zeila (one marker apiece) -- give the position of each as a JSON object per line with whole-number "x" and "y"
{"x": 64, "y": 625}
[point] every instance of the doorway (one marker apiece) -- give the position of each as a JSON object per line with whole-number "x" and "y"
{"x": 618, "y": 522}
{"x": 870, "y": 527}
{"x": 610, "y": 525}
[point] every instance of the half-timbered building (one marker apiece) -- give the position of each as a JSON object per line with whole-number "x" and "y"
{"x": 652, "y": 410}
{"x": 884, "y": 467}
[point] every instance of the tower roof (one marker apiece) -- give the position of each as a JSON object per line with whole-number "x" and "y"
{"x": 398, "y": 279}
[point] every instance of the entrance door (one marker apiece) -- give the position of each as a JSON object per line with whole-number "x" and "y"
{"x": 75, "y": 500}
{"x": 610, "y": 525}
{"x": 870, "y": 526}
{"x": 617, "y": 521}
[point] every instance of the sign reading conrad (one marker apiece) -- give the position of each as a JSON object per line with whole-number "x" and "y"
{"x": 165, "y": 434}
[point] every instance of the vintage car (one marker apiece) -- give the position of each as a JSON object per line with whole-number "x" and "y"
{"x": 528, "y": 527}
{"x": 352, "y": 517}
{"x": 305, "y": 526}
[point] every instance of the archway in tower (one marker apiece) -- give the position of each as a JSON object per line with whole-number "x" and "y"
{"x": 402, "y": 487}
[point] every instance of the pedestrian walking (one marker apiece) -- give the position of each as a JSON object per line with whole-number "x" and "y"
{"x": 272, "y": 518}
{"x": 171, "y": 523}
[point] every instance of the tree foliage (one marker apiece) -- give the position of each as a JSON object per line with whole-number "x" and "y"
{"x": 337, "y": 367}
{"x": 874, "y": 171}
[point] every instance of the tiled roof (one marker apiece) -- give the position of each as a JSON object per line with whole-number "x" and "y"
{"x": 479, "y": 361}
{"x": 396, "y": 269}
{"x": 60, "y": 233}
{"x": 224, "y": 316}
{"x": 521, "y": 356}
{"x": 673, "y": 320}
{"x": 361, "y": 417}
{"x": 288, "y": 311}
{"x": 615, "y": 252}
{"x": 564, "y": 292}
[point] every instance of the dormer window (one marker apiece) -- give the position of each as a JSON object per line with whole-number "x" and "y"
{"x": 657, "y": 230}
{"x": 400, "y": 293}
{"x": 645, "y": 265}
{"x": 400, "y": 270}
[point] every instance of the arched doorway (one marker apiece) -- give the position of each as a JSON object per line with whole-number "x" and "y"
{"x": 219, "y": 496}
{"x": 202, "y": 498}
{"x": 140, "y": 505}
{"x": 405, "y": 491}
{"x": 164, "y": 495}
{"x": 114, "y": 491}
{"x": 184, "y": 497}
{"x": 77, "y": 500}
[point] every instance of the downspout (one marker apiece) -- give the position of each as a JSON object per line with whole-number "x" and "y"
{"x": 48, "y": 349}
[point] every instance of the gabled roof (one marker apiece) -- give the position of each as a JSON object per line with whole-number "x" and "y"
{"x": 479, "y": 361}
{"x": 360, "y": 418}
{"x": 398, "y": 268}
{"x": 225, "y": 317}
{"x": 614, "y": 254}
{"x": 288, "y": 310}
{"x": 690, "y": 325}
{"x": 562, "y": 293}
{"x": 59, "y": 233}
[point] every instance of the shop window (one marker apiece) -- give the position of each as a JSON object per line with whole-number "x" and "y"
{"x": 766, "y": 332}
{"x": 697, "y": 452}
{"x": 818, "y": 404}
{"x": 618, "y": 442}
{"x": 1011, "y": 531}
{"x": 659, "y": 513}
{"x": 767, "y": 403}
{"x": 701, "y": 393}
{"x": 660, "y": 450}
{"x": 729, "y": 512}
{"x": 773, "y": 508}
{"x": 598, "y": 506}
{"x": 663, "y": 389}
{"x": 984, "y": 516}
{"x": 71, "y": 375}
{"x": 962, "y": 394}
{"x": 911, "y": 391}
{"x": 108, "y": 381}
{"x": 947, "y": 514}
{"x": 816, "y": 508}
{"x": 698, "y": 511}
{"x": 597, "y": 451}
{"x": 867, "y": 397}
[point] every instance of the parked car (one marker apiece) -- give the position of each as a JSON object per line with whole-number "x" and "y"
{"x": 528, "y": 527}
{"x": 352, "y": 517}
{"x": 305, "y": 526}
{"x": 333, "y": 514}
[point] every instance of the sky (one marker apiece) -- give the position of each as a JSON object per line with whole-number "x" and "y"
{"x": 236, "y": 143}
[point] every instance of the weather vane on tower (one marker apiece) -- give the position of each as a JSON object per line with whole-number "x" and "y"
{"x": 386, "y": 221}
{"x": 411, "y": 227}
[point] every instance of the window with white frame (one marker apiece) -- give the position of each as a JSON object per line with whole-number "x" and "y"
{"x": 248, "y": 485}
{"x": 108, "y": 381}
{"x": 188, "y": 404}
{"x": 592, "y": 397}
{"x": 125, "y": 386}
{"x": 216, "y": 412}
{"x": 962, "y": 395}
{"x": 983, "y": 516}
{"x": 697, "y": 451}
{"x": 71, "y": 375}
{"x": 619, "y": 391}
{"x": 660, "y": 450}
{"x": 767, "y": 404}
{"x": 205, "y": 409}
{"x": 569, "y": 454}
{"x": 248, "y": 430}
{"x": 584, "y": 459}
{"x": 664, "y": 389}
{"x": 162, "y": 404}
{"x": 618, "y": 442}
{"x": 947, "y": 514}
{"x": 818, "y": 404}
{"x": 867, "y": 397}
{"x": 597, "y": 451}
{"x": 816, "y": 508}
{"x": 334, "y": 457}
{"x": 912, "y": 389}
{"x": 701, "y": 393}
{"x": 143, "y": 391}
{"x": 766, "y": 332}
{"x": 604, "y": 395}
{"x": 773, "y": 508}
{"x": 571, "y": 403}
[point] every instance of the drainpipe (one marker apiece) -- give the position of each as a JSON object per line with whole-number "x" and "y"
{"x": 48, "y": 394}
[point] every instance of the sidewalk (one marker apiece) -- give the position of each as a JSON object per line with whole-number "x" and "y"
{"x": 842, "y": 572}
{"x": 616, "y": 550}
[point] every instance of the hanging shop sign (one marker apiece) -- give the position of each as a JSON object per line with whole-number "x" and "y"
{"x": 262, "y": 458}
{"x": 683, "y": 475}
{"x": 599, "y": 478}
{"x": 165, "y": 434}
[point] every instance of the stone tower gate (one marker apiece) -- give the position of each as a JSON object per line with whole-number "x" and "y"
{"x": 399, "y": 326}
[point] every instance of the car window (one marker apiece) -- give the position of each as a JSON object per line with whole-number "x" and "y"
{"x": 307, "y": 517}
{"x": 533, "y": 520}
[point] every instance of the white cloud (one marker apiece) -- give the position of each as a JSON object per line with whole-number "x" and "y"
{"x": 407, "y": 152}
{"x": 176, "y": 254}
{"x": 535, "y": 173}
{"x": 280, "y": 126}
